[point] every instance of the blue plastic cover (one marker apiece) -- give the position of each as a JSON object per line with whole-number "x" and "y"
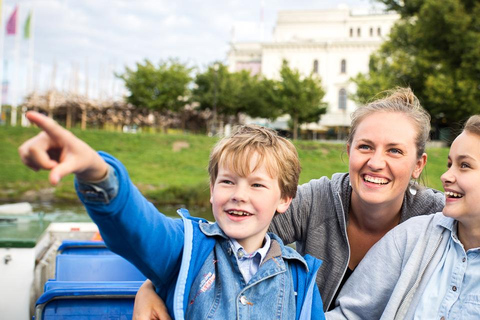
{"x": 95, "y": 268}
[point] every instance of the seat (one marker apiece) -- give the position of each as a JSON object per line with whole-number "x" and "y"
{"x": 91, "y": 282}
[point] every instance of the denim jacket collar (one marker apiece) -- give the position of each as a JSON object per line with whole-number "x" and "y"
{"x": 213, "y": 229}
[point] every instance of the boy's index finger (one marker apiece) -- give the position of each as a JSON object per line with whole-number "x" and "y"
{"x": 52, "y": 128}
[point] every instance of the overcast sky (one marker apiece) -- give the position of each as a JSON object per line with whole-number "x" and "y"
{"x": 99, "y": 37}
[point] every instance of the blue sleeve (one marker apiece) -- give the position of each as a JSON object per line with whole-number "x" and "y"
{"x": 133, "y": 228}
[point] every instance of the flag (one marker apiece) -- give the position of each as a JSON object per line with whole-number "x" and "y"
{"x": 12, "y": 22}
{"x": 27, "y": 28}
{"x": 1, "y": 8}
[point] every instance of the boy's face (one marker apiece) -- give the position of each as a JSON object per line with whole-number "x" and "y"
{"x": 244, "y": 206}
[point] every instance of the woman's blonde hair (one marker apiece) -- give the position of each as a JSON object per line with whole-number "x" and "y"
{"x": 473, "y": 125}
{"x": 399, "y": 100}
{"x": 278, "y": 154}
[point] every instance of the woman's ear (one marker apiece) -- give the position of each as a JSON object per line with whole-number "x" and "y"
{"x": 421, "y": 163}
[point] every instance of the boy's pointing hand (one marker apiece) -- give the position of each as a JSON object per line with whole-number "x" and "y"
{"x": 58, "y": 150}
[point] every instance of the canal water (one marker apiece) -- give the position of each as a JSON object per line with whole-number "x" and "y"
{"x": 76, "y": 212}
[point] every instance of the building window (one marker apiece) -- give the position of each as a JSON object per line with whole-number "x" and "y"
{"x": 315, "y": 66}
{"x": 342, "y": 99}
{"x": 343, "y": 66}
{"x": 379, "y": 31}
{"x": 371, "y": 32}
{"x": 359, "y": 32}
{"x": 351, "y": 32}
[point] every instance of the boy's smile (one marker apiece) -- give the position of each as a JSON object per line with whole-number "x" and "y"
{"x": 244, "y": 206}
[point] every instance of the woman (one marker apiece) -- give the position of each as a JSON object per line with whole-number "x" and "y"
{"x": 433, "y": 265}
{"x": 339, "y": 220}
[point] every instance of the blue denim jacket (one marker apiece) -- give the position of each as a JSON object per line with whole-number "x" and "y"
{"x": 192, "y": 265}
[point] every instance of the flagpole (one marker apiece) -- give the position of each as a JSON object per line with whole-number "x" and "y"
{"x": 28, "y": 32}
{"x": 1, "y": 59}
{"x": 15, "y": 70}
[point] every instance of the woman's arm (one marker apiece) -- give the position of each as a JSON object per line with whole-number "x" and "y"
{"x": 148, "y": 305}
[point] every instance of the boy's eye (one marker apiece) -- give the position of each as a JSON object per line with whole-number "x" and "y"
{"x": 257, "y": 185}
{"x": 224, "y": 181}
{"x": 449, "y": 164}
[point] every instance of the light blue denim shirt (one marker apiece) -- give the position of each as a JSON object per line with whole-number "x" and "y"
{"x": 248, "y": 263}
{"x": 453, "y": 291}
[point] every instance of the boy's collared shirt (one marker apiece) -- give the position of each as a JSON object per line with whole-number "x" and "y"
{"x": 249, "y": 263}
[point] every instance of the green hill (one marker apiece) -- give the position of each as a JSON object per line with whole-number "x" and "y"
{"x": 168, "y": 169}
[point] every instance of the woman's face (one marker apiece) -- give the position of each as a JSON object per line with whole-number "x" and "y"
{"x": 461, "y": 180}
{"x": 383, "y": 158}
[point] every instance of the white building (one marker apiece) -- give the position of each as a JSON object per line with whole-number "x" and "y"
{"x": 335, "y": 44}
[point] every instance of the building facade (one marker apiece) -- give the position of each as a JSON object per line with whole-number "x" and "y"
{"x": 334, "y": 44}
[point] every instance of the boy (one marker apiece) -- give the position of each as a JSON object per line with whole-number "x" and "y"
{"x": 225, "y": 270}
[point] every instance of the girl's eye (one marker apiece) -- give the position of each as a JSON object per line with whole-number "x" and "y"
{"x": 464, "y": 165}
{"x": 449, "y": 164}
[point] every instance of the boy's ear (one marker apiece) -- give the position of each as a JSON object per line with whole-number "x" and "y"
{"x": 284, "y": 204}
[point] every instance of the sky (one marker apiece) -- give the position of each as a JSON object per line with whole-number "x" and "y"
{"x": 79, "y": 45}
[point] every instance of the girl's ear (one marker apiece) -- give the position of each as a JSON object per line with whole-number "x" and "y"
{"x": 421, "y": 162}
{"x": 284, "y": 204}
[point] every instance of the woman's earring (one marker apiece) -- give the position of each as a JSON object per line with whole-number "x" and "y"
{"x": 412, "y": 188}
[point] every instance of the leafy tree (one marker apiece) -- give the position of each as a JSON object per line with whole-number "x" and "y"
{"x": 161, "y": 88}
{"x": 301, "y": 98}
{"x": 435, "y": 49}
{"x": 228, "y": 94}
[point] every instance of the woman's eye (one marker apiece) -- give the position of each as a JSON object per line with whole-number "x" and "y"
{"x": 364, "y": 147}
{"x": 396, "y": 151}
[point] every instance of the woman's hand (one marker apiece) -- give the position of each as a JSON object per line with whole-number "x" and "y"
{"x": 148, "y": 305}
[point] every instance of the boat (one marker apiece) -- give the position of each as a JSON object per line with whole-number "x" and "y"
{"x": 38, "y": 274}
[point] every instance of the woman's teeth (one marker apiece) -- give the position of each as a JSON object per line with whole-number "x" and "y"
{"x": 375, "y": 180}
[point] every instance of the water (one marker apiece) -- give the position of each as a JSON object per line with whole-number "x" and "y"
{"x": 76, "y": 212}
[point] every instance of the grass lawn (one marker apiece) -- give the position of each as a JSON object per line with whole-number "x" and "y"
{"x": 168, "y": 169}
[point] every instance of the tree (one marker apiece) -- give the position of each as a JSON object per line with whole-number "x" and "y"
{"x": 301, "y": 98}
{"x": 435, "y": 49}
{"x": 161, "y": 88}
{"x": 228, "y": 94}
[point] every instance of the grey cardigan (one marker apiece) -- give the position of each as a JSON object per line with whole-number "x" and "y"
{"x": 317, "y": 219}
{"x": 391, "y": 290}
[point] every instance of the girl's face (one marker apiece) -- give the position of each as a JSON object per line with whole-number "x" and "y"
{"x": 383, "y": 159}
{"x": 461, "y": 182}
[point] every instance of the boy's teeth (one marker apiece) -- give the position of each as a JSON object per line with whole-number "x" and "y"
{"x": 375, "y": 180}
{"x": 453, "y": 194}
{"x": 239, "y": 213}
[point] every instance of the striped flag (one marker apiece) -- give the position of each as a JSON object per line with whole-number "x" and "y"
{"x": 27, "y": 33}
{"x": 12, "y": 22}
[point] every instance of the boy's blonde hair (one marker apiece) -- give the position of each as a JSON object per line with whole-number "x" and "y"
{"x": 278, "y": 154}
